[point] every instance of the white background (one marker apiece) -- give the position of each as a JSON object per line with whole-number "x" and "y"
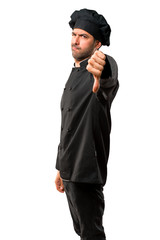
{"x": 35, "y": 61}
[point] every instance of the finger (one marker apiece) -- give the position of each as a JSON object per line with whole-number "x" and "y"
{"x": 100, "y": 55}
{"x": 98, "y": 60}
{"x": 59, "y": 185}
{"x": 96, "y": 84}
{"x": 60, "y": 189}
{"x": 94, "y": 71}
{"x": 62, "y": 186}
{"x": 96, "y": 64}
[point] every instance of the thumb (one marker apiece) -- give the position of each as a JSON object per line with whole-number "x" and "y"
{"x": 96, "y": 84}
{"x": 62, "y": 186}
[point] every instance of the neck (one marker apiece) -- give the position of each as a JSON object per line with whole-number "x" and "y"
{"x": 77, "y": 63}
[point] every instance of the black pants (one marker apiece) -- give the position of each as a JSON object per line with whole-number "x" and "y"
{"x": 86, "y": 203}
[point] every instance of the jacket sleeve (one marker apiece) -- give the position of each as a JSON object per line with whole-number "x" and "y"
{"x": 109, "y": 82}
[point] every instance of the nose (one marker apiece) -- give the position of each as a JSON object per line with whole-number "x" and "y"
{"x": 76, "y": 40}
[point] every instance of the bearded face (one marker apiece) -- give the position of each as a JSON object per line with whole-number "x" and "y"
{"x": 82, "y": 44}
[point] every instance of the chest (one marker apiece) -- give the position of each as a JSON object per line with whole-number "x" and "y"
{"x": 77, "y": 89}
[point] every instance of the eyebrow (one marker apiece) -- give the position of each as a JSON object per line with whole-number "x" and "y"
{"x": 81, "y": 34}
{"x": 84, "y": 34}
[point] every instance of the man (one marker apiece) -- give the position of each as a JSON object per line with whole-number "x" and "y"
{"x": 85, "y": 133}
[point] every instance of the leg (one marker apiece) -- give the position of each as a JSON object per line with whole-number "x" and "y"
{"x": 72, "y": 208}
{"x": 86, "y": 203}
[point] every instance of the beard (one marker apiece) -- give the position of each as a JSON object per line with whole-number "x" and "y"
{"x": 80, "y": 54}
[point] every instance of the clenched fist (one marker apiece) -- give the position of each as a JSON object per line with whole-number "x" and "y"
{"x": 95, "y": 66}
{"x": 59, "y": 183}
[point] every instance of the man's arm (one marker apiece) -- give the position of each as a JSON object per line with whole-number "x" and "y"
{"x": 109, "y": 83}
{"x": 105, "y": 73}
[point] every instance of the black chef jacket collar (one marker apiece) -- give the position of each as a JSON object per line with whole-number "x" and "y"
{"x": 83, "y": 63}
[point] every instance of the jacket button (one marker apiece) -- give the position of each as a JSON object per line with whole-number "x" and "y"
{"x": 70, "y": 88}
{"x": 68, "y": 130}
{"x": 69, "y": 109}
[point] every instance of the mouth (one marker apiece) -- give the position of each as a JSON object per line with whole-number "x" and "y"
{"x": 74, "y": 48}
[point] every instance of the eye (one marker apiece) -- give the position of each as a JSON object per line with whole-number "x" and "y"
{"x": 73, "y": 34}
{"x": 84, "y": 36}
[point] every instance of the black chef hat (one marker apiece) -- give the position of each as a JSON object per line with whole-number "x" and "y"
{"x": 93, "y": 23}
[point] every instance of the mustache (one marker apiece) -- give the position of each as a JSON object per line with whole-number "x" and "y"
{"x": 75, "y": 46}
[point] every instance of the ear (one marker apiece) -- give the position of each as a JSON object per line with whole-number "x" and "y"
{"x": 98, "y": 44}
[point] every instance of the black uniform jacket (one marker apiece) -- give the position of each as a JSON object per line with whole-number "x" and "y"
{"x": 86, "y": 123}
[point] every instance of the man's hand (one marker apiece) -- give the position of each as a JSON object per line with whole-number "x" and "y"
{"x": 59, "y": 183}
{"x": 95, "y": 66}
